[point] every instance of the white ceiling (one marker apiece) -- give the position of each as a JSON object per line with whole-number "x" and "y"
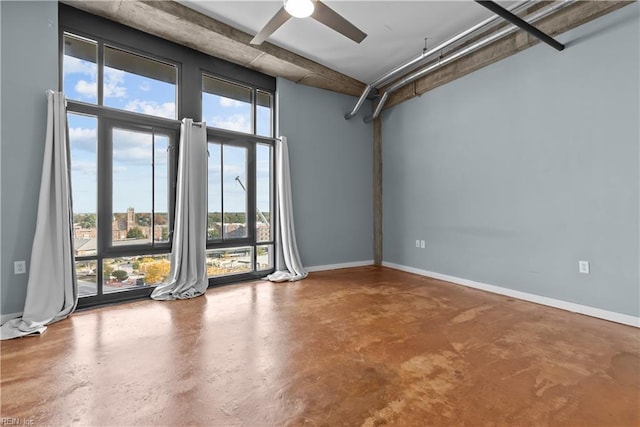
{"x": 396, "y": 30}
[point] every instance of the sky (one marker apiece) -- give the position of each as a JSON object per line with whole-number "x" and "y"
{"x": 134, "y": 152}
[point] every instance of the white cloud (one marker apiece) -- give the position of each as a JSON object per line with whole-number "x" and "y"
{"x": 236, "y": 122}
{"x": 145, "y": 86}
{"x": 73, "y": 65}
{"x": 112, "y": 80}
{"x": 166, "y": 109}
{"x": 87, "y": 89}
{"x": 132, "y": 153}
{"x": 83, "y": 139}
{"x": 131, "y": 148}
{"x": 228, "y": 102}
{"x": 112, "y": 85}
{"x": 82, "y": 134}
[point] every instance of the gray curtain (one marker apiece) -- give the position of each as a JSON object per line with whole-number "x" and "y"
{"x": 188, "y": 276}
{"x": 289, "y": 266}
{"x": 52, "y": 291}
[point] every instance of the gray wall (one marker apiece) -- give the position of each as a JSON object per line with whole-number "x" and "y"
{"x": 331, "y": 173}
{"x": 515, "y": 172}
{"x": 29, "y": 34}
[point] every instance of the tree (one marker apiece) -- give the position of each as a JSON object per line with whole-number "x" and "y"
{"x": 234, "y": 218}
{"x": 143, "y": 219}
{"x": 213, "y": 233}
{"x": 135, "y": 233}
{"x": 108, "y": 270}
{"x": 120, "y": 275}
{"x": 157, "y": 272}
{"x": 160, "y": 218}
{"x": 165, "y": 233}
{"x": 85, "y": 220}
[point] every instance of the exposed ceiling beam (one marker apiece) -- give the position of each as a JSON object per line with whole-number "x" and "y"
{"x": 178, "y": 23}
{"x": 570, "y": 17}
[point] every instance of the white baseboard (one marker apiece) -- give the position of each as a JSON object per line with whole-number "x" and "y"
{"x": 6, "y": 317}
{"x": 339, "y": 266}
{"x": 551, "y": 302}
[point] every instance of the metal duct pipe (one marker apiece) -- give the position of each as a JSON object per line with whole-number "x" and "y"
{"x": 425, "y": 55}
{"x": 504, "y": 32}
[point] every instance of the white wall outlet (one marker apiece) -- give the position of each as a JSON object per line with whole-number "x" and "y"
{"x": 422, "y": 245}
{"x": 583, "y": 267}
{"x": 417, "y": 243}
{"x": 19, "y": 267}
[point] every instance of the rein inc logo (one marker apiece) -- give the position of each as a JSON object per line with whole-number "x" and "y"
{"x": 9, "y": 421}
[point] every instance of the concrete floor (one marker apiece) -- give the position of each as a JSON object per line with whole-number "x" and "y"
{"x": 365, "y": 346}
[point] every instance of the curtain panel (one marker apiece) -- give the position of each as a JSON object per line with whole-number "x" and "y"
{"x": 52, "y": 291}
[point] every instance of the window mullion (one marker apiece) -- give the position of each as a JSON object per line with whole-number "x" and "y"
{"x": 153, "y": 188}
{"x": 100, "y": 73}
{"x": 222, "y": 211}
{"x": 254, "y": 111}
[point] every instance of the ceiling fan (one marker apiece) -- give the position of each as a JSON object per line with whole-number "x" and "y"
{"x": 309, "y": 8}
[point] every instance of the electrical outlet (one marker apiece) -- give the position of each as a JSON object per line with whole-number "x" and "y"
{"x": 583, "y": 267}
{"x": 19, "y": 267}
{"x": 422, "y": 245}
{"x": 417, "y": 243}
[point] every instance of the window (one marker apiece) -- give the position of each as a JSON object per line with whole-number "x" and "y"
{"x": 140, "y": 186}
{"x": 228, "y": 193}
{"x": 239, "y": 203}
{"x": 240, "y": 182}
{"x": 135, "y": 83}
{"x": 122, "y": 165}
{"x": 264, "y": 114}
{"x": 226, "y": 105}
{"x": 264, "y": 192}
{"x": 125, "y": 92}
{"x": 83, "y": 144}
{"x": 80, "y": 69}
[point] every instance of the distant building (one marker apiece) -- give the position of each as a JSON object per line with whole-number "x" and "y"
{"x": 263, "y": 232}
{"x": 83, "y": 233}
{"x": 120, "y": 227}
{"x": 85, "y": 246}
{"x": 235, "y": 230}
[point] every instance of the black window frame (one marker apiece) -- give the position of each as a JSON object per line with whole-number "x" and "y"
{"x": 105, "y": 204}
{"x": 190, "y": 65}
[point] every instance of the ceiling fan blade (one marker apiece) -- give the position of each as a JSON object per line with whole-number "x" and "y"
{"x": 327, "y": 16}
{"x": 276, "y": 22}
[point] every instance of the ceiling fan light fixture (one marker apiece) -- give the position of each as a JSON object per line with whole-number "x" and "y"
{"x": 299, "y": 8}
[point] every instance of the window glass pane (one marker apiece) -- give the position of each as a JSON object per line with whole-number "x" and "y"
{"x": 224, "y": 262}
{"x": 79, "y": 69}
{"x": 264, "y": 256}
{"x": 120, "y": 274}
{"x": 234, "y": 196}
{"x": 263, "y": 193}
{"x": 226, "y": 105}
{"x": 139, "y": 84}
{"x": 161, "y": 189}
{"x": 214, "y": 197}
{"x": 83, "y": 141}
{"x": 86, "y": 274}
{"x": 264, "y": 120}
{"x": 132, "y": 187}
